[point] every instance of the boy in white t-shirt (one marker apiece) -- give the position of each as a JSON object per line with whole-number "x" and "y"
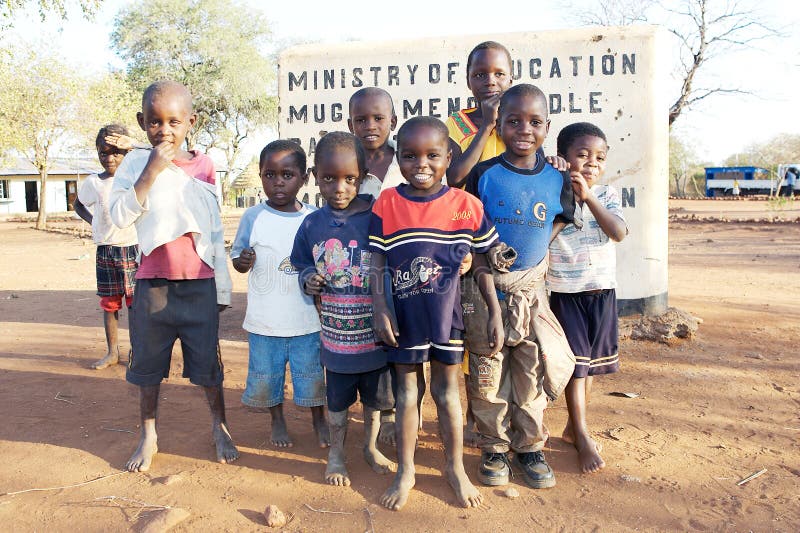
{"x": 582, "y": 280}
{"x": 116, "y": 248}
{"x": 282, "y": 321}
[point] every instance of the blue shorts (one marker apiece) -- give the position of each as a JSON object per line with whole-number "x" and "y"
{"x": 374, "y": 388}
{"x": 589, "y": 320}
{"x": 448, "y": 353}
{"x": 266, "y": 371}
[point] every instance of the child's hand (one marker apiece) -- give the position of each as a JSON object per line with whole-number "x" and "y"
{"x": 557, "y": 162}
{"x": 314, "y": 284}
{"x": 579, "y": 186}
{"x": 123, "y": 142}
{"x": 496, "y": 331}
{"x": 385, "y": 327}
{"x": 489, "y": 109}
{"x": 246, "y": 259}
{"x": 161, "y": 156}
{"x": 466, "y": 264}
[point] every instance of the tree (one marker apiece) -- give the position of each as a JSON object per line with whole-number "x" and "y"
{"x": 704, "y": 30}
{"x": 683, "y": 166}
{"x": 46, "y": 8}
{"x": 780, "y": 149}
{"x": 41, "y": 109}
{"x": 215, "y": 48}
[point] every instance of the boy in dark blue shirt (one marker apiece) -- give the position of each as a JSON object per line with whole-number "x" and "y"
{"x": 331, "y": 254}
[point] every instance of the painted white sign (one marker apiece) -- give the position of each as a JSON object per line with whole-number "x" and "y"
{"x": 612, "y": 77}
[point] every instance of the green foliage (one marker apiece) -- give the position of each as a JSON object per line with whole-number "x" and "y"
{"x": 113, "y": 101}
{"x": 40, "y": 110}
{"x": 46, "y": 8}
{"x": 684, "y": 167}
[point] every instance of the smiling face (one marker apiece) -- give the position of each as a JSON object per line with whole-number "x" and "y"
{"x": 110, "y": 157}
{"x": 281, "y": 178}
{"x": 489, "y": 73}
{"x": 372, "y": 120}
{"x": 523, "y": 126}
{"x": 167, "y": 116}
{"x": 587, "y": 155}
{"x": 338, "y": 177}
{"x": 423, "y": 156}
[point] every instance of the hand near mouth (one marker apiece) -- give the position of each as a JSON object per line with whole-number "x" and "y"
{"x": 579, "y": 185}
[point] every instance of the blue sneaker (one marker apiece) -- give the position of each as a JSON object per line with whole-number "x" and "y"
{"x": 535, "y": 470}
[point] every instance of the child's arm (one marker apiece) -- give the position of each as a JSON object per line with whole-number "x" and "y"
{"x": 302, "y": 259}
{"x": 160, "y": 158}
{"x": 383, "y": 321}
{"x": 243, "y": 256}
{"x": 557, "y": 227}
{"x": 611, "y": 224}
{"x": 483, "y": 277}
{"x": 82, "y": 211}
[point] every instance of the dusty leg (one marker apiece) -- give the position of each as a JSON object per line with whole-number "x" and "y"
{"x": 386, "y": 434}
{"x": 444, "y": 389}
{"x": 406, "y": 429}
{"x": 374, "y": 458}
{"x": 420, "y": 393}
{"x": 320, "y": 426}
{"x": 336, "y": 471}
{"x": 279, "y": 436}
{"x": 226, "y": 450}
{"x": 148, "y": 445}
{"x": 111, "y": 325}
{"x": 588, "y": 452}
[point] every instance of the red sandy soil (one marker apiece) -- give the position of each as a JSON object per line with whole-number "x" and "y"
{"x": 710, "y": 412}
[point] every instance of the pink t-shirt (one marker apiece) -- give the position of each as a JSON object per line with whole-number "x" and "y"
{"x": 178, "y": 259}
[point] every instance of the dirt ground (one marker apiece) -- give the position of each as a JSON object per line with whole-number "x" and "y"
{"x": 710, "y": 412}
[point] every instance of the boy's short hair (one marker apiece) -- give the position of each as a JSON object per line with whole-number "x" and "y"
{"x": 568, "y": 134}
{"x": 370, "y": 91}
{"x": 416, "y": 122}
{"x": 283, "y": 145}
{"x": 488, "y": 45}
{"x": 164, "y": 87}
{"x": 340, "y": 140}
{"x": 517, "y": 91}
{"x": 110, "y": 129}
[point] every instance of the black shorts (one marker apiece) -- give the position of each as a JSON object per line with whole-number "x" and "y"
{"x": 374, "y": 388}
{"x": 165, "y": 310}
{"x": 589, "y": 320}
{"x": 448, "y": 353}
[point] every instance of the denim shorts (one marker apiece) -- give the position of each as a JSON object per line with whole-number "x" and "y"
{"x": 266, "y": 371}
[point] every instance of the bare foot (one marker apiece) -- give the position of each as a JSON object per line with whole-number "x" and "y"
{"x": 226, "y": 450}
{"x": 336, "y": 472}
{"x": 143, "y": 456}
{"x": 470, "y": 437}
{"x": 386, "y": 433}
{"x": 323, "y": 434}
{"x": 466, "y": 493}
{"x": 110, "y": 359}
{"x": 589, "y": 455}
{"x": 567, "y": 435}
{"x": 396, "y": 496}
{"x": 279, "y": 436}
{"x": 379, "y": 463}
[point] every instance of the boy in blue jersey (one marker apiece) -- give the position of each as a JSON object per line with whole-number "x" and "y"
{"x": 421, "y": 232}
{"x": 529, "y": 202}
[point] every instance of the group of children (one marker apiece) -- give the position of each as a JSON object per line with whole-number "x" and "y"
{"x": 401, "y": 267}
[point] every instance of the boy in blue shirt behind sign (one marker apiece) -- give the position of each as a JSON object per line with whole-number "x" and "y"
{"x": 331, "y": 254}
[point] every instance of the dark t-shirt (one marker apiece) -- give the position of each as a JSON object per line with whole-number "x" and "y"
{"x": 336, "y": 247}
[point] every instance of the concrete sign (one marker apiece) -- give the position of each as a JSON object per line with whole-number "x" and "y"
{"x": 612, "y": 77}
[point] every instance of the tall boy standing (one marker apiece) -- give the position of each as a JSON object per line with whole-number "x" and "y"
{"x": 183, "y": 280}
{"x": 529, "y": 202}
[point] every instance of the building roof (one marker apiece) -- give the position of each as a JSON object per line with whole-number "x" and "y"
{"x": 19, "y": 166}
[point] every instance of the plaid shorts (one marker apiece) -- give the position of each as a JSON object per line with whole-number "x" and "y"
{"x": 116, "y": 270}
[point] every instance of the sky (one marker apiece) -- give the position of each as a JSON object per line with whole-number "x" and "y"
{"x": 716, "y": 128}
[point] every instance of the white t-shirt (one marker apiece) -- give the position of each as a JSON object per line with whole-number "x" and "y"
{"x": 584, "y": 259}
{"x": 94, "y": 193}
{"x": 276, "y": 306}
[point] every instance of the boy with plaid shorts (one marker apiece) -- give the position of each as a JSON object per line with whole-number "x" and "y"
{"x": 116, "y": 248}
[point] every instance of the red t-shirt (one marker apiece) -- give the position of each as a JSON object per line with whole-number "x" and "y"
{"x": 178, "y": 259}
